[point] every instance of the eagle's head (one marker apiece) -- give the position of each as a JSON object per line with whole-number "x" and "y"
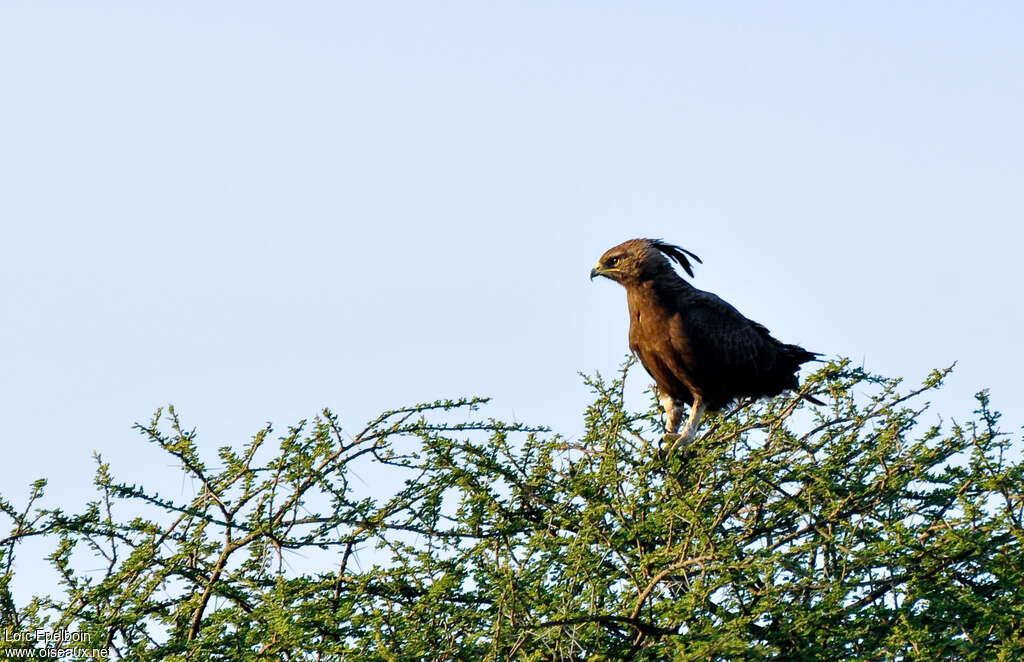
{"x": 637, "y": 260}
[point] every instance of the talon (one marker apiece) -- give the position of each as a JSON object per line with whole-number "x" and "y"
{"x": 680, "y": 441}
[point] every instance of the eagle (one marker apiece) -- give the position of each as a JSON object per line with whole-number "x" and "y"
{"x": 700, "y": 350}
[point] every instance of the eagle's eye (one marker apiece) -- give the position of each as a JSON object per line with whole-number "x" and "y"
{"x": 612, "y": 261}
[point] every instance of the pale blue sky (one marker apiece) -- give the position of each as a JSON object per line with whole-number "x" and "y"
{"x": 256, "y": 210}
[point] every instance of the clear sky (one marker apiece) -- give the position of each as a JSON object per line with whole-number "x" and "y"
{"x": 256, "y": 210}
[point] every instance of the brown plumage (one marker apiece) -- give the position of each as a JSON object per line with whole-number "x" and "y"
{"x": 699, "y": 349}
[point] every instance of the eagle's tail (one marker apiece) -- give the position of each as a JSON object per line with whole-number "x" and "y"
{"x": 813, "y": 400}
{"x": 797, "y": 355}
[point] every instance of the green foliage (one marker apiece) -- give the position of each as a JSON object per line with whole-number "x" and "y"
{"x": 848, "y": 532}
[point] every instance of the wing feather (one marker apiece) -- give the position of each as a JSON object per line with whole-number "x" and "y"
{"x": 719, "y": 338}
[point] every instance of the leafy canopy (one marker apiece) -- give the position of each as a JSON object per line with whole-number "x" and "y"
{"x": 851, "y": 532}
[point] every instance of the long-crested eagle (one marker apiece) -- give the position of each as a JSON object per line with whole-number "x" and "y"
{"x": 699, "y": 349}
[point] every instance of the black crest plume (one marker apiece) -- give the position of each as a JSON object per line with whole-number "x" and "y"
{"x": 676, "y": 253}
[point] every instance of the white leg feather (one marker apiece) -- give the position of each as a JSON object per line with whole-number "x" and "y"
{"x": 690, "y": 431}
{"x": 673, "y": 412}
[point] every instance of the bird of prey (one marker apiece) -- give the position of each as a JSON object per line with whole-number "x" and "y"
{"x": 699, "y": 349}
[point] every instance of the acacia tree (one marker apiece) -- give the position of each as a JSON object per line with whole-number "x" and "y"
{"x": 856, "y": 531}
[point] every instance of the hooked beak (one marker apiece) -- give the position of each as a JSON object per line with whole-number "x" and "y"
{"x": 596, "y": 271}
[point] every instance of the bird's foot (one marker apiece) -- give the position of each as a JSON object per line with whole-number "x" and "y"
{"x": 672, "y": 441}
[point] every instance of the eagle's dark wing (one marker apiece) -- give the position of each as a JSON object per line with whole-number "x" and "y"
{"x": 716, "y": 332}
{"x": 727, "y": 354}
